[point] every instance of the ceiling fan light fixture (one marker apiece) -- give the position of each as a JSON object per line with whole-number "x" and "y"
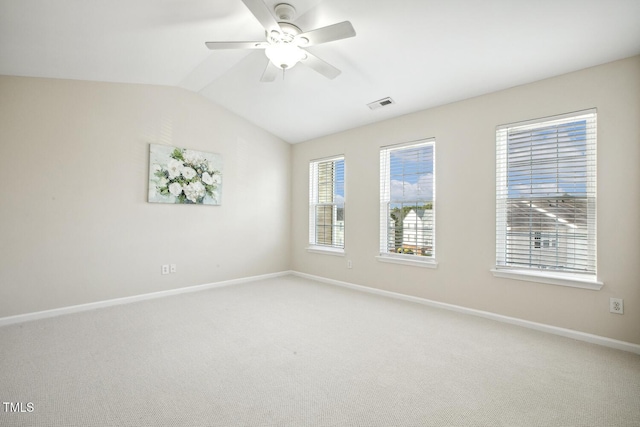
{"x": 285, "y": 42}
{"x": 284, "y": 55}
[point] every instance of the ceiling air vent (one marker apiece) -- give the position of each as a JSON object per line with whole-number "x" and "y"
{"x": 380, "y": 103}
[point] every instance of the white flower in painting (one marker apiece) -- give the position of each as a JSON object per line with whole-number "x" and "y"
{"x": 162, "y": 182}
{"x": 188, "y": 173}
{"x": 207, "y": 179}
{"x": 174, "y": 167}
{"x": 192, "y": 157}
{"x": 175, "y": 189}
{"x": 156, "y": 168}
{"x": 217, "y": 179}
{"x": 194, "y": 191}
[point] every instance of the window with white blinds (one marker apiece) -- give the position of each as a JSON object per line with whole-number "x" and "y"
{"x": 326, "y": 203}
{"x": 546, "y": 194}
{"x": 407, "y": 200}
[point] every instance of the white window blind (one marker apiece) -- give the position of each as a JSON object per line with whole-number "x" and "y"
{"x": 326, "y": 202}
{"x": 407, "y": 200}
{"x": 546, "y": 194}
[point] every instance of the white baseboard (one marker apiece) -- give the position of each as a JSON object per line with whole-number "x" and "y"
{"x": 569, "y": 333}
{"x": 9, "y": 320}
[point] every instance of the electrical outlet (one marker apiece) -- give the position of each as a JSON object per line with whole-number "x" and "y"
{"x": 349, "y": 264}
{"x": 616, "y": 305}
{"x": 172, "y": 268}
{"x": 165, "y": 269}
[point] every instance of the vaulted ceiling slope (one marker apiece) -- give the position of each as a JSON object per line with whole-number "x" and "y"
{"x": 422, "y": 53}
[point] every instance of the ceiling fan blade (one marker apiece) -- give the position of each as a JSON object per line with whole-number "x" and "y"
{"x": 329, "y": 33}
{"x": 270, "y": 73}
{"x": 262, "y": 14}
{"x": 322, "y": 67}
{"x": 236, "y": 45}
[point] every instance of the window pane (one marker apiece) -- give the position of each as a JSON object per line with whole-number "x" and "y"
{"x": 546, "y": 195}
{"x": 407, "y": 199}
{"x": 326, "y": 203}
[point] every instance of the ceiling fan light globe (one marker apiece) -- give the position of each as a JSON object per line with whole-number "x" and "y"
{"x": 284, "y": 55}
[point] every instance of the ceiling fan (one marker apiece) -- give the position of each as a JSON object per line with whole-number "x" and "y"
{"x": 286, "y": 42}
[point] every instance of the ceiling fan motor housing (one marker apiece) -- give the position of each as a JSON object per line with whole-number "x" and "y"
{"x": 288, "y": 34}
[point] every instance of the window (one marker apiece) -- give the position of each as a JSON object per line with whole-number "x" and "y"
{"x": 546, "y": 196}
{"x": 326, "y": 203}
{"x": 407, "y": 202}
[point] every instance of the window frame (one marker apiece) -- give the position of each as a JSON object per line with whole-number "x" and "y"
{"x": 545, "y": 273}
{"x": 314, "y": 193}
{"x": 386, "y": 202}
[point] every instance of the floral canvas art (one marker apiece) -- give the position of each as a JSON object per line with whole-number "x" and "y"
{"x": 179, "y": 175}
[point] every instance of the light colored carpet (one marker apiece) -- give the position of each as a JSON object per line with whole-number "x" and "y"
{"x": 294, "y": 352}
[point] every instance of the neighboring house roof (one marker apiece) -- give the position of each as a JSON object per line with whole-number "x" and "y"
{"x": 568, "y": 212}
{"x": 423, "y": 214}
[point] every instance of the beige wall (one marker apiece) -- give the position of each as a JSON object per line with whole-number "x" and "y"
{"x": 75, "y": 225}
{"x": 465, "y": 194}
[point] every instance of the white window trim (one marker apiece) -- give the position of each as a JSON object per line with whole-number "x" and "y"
{"x": 550, "y": 278}
{"x": 586, "y": 281}
{"x": 325, "y": 250}
{"x": 414, "y": 261}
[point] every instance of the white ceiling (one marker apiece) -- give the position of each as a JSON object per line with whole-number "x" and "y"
{"x": 422, "y": 53}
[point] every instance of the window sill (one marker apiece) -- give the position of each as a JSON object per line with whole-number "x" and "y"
{"x": 426, "y": 262}
{"x": 325, "y": 250}
{"x": 561, "y": 279}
